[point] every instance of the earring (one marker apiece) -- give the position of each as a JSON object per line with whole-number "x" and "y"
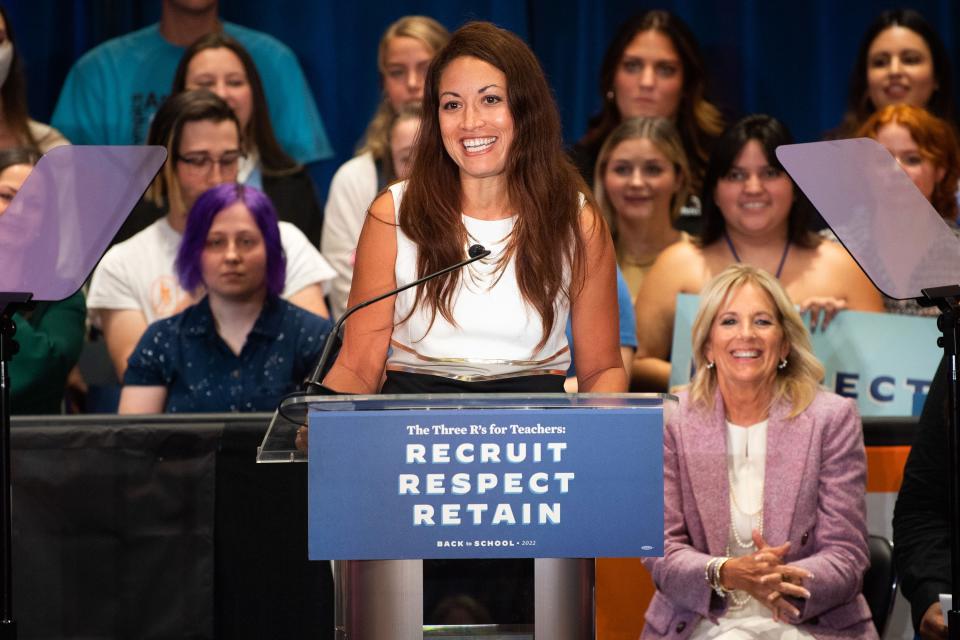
{"x": 610, "y": 95}
{"x": 711, "y": 365}
{"x": 783, "y": 364}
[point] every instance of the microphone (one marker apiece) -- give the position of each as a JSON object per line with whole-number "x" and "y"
{"x": 313, "y": 385}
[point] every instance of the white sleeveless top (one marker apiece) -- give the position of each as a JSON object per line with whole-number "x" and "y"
{"x": 496, "y": 332}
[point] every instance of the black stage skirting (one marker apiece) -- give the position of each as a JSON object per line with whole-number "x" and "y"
{"x": 165, "y": 527}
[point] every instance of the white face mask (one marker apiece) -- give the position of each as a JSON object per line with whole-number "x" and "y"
{"x": 6, "y": 58}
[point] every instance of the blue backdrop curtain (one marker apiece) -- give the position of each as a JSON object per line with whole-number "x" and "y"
{"x": 790, "y": 59}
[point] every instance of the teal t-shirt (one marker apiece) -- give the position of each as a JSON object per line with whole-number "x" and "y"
{"x": 113, "y": 90}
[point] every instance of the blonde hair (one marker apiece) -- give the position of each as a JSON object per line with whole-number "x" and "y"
{"x": 798, "y": 381}
{"x": 434, "y": 35}
{"x": 664, "y": 135}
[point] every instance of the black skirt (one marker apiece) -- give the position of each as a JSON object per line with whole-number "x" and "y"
{"x": 401, "y": 382}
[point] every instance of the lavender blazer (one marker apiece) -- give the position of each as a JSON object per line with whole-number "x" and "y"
{"x": 814, "y": 496}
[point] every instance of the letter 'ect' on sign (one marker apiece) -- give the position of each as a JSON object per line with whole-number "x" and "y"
{"x": 880, "y": 389}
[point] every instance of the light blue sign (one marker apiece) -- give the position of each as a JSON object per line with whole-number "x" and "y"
{"x": 481, "y": 483}
{"x": 884, "y": 360}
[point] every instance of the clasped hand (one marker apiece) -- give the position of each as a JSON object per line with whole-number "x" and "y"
{"x": 822, "y": 310}
{"x": 764, "y": 575}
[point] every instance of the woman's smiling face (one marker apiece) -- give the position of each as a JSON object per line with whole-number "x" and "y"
{"x": 475, "y": 119}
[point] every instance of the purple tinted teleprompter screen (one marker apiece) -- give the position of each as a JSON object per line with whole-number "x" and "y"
{"x": 876, "y": 211}
{"x": 65, "y": 214}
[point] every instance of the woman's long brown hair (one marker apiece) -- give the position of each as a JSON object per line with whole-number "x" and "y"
{"x": 544, "y": 187}
{"x": 698, "y": 121}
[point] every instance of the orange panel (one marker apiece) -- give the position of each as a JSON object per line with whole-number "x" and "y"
{"x": 624, "y": 588}
{"x": 885, "y": 468}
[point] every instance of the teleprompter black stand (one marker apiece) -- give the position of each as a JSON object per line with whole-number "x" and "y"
{"x": 51, "y": 235}
{"x": 9, "y": 303}
{"x": 907, "y": 251}
{"x": 947, "y": 299}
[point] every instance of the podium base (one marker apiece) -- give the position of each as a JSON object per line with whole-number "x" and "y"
{"x": 485, "y": 631}
{"x": 378, "y": 599}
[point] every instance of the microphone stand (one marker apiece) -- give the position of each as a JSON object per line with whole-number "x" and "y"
{"x": 9, "y": 303}
{"x": 947, "y": 299}
{"x": 314, "y": 384}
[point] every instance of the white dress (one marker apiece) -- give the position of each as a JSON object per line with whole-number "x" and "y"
{"x": 746, "y": 457}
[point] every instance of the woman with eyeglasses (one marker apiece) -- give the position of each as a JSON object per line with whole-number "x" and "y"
{"x": 754, "y": 214}
{"x": 240, "y": 347}
{"x": 134, "y": 283}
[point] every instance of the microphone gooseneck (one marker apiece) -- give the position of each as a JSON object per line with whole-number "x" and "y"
{"x": 313, "y": 385}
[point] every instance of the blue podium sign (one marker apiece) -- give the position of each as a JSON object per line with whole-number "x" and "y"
{"x": 486, "y": 483}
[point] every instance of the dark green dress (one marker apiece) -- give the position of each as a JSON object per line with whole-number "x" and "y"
{"x": 50, "y": 338}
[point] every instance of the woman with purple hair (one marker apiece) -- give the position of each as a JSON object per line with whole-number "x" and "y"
{"x": 241, "y": 347}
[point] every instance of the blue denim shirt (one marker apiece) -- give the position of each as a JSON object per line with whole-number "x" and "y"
{"x": 185, "y": 354}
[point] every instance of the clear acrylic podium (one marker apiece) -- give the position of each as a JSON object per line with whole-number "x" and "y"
{"x": 385, "y": 598}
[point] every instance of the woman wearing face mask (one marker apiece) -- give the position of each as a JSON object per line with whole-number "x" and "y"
{"x": 50, "y": 334}
{"x": 16, "y": 127}
{"x": 220, "y": 64}
{"x": 926, "y": 148}
{"x": 753, "y": 214}
{"x": 901, "y": 60}
{"x": 653, "y": 67}
{"x": 406, "y": 49}
{"x": 642, "y": 180}
{"x": 241, "y": 346}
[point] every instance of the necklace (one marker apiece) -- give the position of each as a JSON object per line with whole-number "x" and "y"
{"x": 783, "y": 258}
{"x": 738, "y": 599}
{"x": 734, "y": 507}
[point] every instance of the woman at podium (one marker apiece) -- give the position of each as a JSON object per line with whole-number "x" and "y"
{"x": 488, "y": 169}
{"x": 764, "y": 477}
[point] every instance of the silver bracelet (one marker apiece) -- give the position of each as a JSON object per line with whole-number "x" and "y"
{"x": 712, "y": 575}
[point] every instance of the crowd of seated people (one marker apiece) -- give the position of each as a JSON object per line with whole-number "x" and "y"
{"x": 231, "y": 258}
{"x": 134, "y": 284}
{"x": 682, "y": 195}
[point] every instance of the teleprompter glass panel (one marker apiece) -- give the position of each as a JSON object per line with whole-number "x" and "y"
{"x": 878, "y": 214}
{"x": 69, "y": 208}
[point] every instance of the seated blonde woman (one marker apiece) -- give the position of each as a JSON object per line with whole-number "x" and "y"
{"x": 747, "y": 553}
{"x": 752, "y": 214}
